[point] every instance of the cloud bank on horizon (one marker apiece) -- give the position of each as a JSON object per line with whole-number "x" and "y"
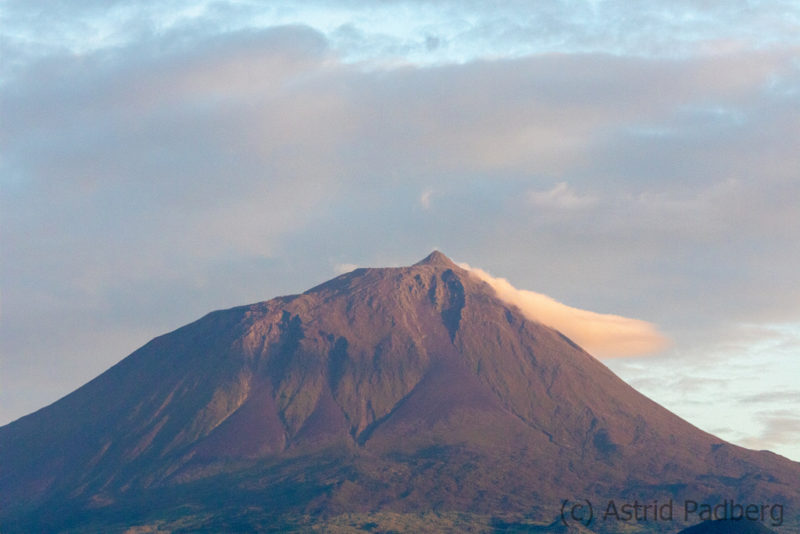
{"x": 602, "y": 335}
{"x": 158, "y": 162}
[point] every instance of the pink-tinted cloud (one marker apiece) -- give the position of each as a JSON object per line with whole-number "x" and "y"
{"x": 603, "y": 335}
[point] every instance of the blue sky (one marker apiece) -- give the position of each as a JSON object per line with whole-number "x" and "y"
{"x": 160, "y": 160}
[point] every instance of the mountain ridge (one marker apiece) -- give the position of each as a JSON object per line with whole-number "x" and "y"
{"x": 420, "y": 383}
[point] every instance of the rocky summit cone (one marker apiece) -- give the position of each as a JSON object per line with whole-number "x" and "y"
{"x": 391, "y": 398}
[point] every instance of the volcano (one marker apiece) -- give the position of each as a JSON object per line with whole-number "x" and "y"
{"x": 406, "y": 399}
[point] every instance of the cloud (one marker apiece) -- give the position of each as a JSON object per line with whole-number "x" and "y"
{"x": 777, "y": 427}
{"x": 426, "y": 32}
{"x": 561, "y": 196}
{"x": 174, "y": 163}
{"x": 341, "y": 268}
{"x": 605, "y": 336}
{"x": 425, "y": 198}
{"x": 772, "y": 397}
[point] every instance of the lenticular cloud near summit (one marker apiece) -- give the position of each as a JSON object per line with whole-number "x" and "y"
{"x": 603, "y": 335}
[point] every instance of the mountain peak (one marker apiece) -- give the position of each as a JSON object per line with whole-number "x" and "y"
{"x": 436, "y": 258}
{"x": 381, "y": 391}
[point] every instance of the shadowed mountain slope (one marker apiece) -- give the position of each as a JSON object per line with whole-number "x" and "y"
{"x": 402, "y": 390}
{"x": 727, "y": 527}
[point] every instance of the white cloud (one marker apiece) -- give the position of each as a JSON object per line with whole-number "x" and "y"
{"x": 386, "y": 31}
{"x": 425, "y": 198}
{"x": 341, "y": 268}
{"x": 560, "y": 196}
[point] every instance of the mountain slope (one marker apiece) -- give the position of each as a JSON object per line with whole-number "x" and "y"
{"x": 401, "y": 389}
{"x": 727, "y": 527}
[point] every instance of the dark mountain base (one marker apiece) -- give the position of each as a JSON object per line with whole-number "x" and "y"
{"x": 728, "y": 527}
{"x": 339, "y": 492}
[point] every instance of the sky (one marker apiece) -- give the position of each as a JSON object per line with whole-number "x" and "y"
{"x": 159, "y": 160}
